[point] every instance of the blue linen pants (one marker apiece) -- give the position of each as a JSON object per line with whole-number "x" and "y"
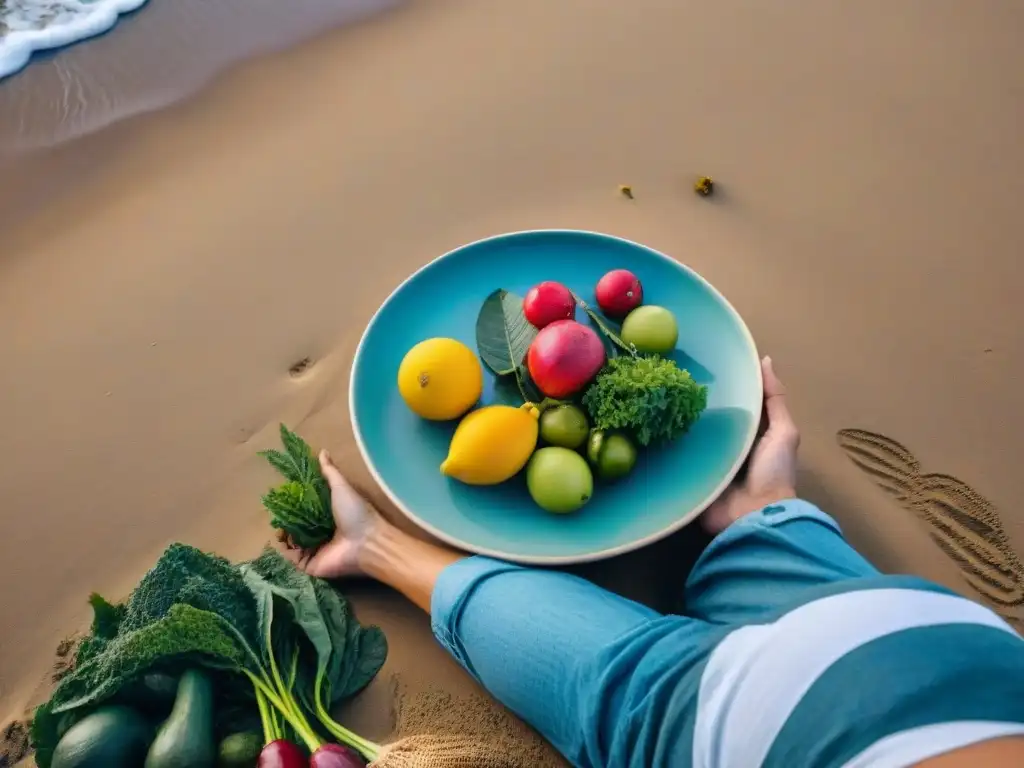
{"x": 796, "y": 653}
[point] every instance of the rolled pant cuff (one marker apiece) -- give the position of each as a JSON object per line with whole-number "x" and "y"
{"x": 777, "y": 514}
{"x": 453, "y": 589}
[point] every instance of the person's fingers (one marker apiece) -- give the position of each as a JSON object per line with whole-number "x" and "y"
{"x": 331, "y": 472}
{"x": 313, "y": 563}
{"x": 340, "y": 487}
{"x": 780, "y": 421}
{"x": 295, "y": 556}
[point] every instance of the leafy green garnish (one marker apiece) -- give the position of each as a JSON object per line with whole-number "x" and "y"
{"x": 270, "y": 632}
{"x": 503, "y": 337}
{"x": 301, "y": 507}
{"x": 651, "y": 398}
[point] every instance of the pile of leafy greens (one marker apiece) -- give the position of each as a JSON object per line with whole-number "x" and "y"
{"x": 283, "y": 647}
{"x": 300, "y": 508}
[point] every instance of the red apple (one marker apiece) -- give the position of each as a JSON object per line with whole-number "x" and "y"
{"x": 547, "y": 302}
{"x": 619, "y": 292}
{"x": 564, "y": 357}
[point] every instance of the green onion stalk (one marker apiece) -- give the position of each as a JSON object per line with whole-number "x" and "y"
{"x": 280, "y": 709}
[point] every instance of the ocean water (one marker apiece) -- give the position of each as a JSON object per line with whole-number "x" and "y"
{"x": 70, "y": 67}
{"x": 39, "y": 25}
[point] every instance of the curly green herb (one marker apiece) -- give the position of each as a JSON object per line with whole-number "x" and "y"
{"x": 651, "y": 398}
{"x": 300, "y": 508}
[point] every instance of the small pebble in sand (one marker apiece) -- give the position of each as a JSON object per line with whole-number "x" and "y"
{"x": 626, "y": 190}
{"x": 704, "y": 186}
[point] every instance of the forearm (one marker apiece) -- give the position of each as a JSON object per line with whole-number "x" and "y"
{"x": 405, "y": 563}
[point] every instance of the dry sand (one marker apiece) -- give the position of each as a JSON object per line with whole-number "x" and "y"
{"x": 867, "y": 227}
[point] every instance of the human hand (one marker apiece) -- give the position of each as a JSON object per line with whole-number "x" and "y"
{"x": 771, "y": 468}
{"x": 356, "y": 522}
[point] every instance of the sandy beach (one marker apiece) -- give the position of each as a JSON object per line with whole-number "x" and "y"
{"x": 160, "y": 277}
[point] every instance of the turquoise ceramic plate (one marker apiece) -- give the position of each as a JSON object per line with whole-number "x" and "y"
{"x": 669, "y": 487}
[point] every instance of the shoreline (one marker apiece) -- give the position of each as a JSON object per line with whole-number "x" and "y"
{"x": 39, "y": 179}
{"x": 167, "y": 271}
{"x": 148, "y": 57}
{"x": 30, "y": 43}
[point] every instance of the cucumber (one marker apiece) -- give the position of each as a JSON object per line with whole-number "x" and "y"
{"x": 186, "y": 740}
{"x": 153, "y": 694}
{"x": 111, "y": 737}
{"x": 240, "y": 750}
{"x": 68, "y": 719}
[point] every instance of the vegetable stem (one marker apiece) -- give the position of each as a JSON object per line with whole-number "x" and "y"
{"x": 613, "y": 337}
{"x": 367, "y": 748}
{"x": 298, "y": 723}
{"x": 266, "y": 719}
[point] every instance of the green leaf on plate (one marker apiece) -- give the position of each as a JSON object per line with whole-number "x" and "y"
{"x": 604, "y": 326}
{"x": 503, "y": 335}
{"x": 516, "y": 389}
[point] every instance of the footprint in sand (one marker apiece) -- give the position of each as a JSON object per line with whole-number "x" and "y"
{"x": 962, "y": 522}
{"x": 300, "y": 367}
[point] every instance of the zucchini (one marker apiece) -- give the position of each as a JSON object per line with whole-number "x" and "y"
{"x": 153, "y": 694}
{"x": 111, "y": 737}
{"x": 186, "y": 740}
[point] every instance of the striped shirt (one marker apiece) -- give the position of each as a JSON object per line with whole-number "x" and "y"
{"x": 878, "y": 672}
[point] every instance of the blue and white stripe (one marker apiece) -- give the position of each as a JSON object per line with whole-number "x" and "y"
{"x": 765, "y": 685}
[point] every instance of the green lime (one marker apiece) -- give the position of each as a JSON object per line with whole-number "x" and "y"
{"x": 612, "y": 455}
{"x": 564, "y": 425}
{"x": 650, "y": 329}
{"x": 559, "y": 480}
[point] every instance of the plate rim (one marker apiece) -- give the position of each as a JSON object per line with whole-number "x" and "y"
{"x": 550, "y": 560}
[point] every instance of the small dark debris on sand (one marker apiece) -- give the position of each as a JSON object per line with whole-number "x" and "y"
{"x": 704, "y": 186}
{"x": 14, "y": 744}
{"x": 64, "y": 658}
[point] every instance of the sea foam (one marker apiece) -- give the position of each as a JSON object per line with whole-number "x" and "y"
{"x": 27, "y": 26}
{"x": 156, "y": 57}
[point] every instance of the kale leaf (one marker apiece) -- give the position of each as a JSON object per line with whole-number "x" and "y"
{"x": 267, "y": 631}
{"x": 651, "y": 398}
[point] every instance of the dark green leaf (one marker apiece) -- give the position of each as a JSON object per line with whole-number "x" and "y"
{"x": 44, "y": 734}
{"x": 516, "y": 390}
{"x": 349, "y": 654}
{"x": 298, "y": 592}
{"x": 503, "y": 335}
{"x": 106, "y": 617}
{"x": 372, "y": 652}
{"x": 283, "y": 463}
{"x": 300, "y": 453}
{"x": 184, "y": 634}
{"x": 301, "y": 507}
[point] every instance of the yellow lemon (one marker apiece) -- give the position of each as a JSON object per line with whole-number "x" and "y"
{"x": 440, "y": 379}
{"x": 491, "y": 444}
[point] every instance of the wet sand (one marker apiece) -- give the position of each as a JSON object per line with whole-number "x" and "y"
{"x": 866, "y": 226}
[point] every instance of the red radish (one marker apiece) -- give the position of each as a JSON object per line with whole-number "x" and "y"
{"x": 564, "y": 357}
{"x": 547, "y": 302}
{"x": 282, "y": 754}
{"x": 619, "y": 292}
{"x": 335, "y": 756}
